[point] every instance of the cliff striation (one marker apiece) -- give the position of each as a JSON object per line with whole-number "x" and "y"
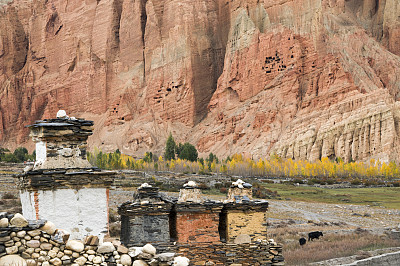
{"x": 303, "y": 79}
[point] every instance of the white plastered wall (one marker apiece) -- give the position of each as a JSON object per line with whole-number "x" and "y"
{"x": 81, "y": 212}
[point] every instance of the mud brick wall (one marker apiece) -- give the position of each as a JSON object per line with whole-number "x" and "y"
{"x": 195, "y": 223}
{"x": 260, "y": 253}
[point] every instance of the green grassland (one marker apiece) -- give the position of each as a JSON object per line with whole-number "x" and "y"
{"x": 388, "y": 197}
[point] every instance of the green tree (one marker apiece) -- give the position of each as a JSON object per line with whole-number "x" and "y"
{"x": 10, "y": 158}
{"x": 170, "y": 148}
{"x": 212, "y": 157}
{"x": 148, "y": 157}
{"x": 21, "y": 154}
{"x": 178, "y": 149}
{"x": 189, "y": 152}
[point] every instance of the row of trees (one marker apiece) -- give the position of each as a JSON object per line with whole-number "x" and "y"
{"x": 18, "y": 156}
{"x": 239, "y": 165}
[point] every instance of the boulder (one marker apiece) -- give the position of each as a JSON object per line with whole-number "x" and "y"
{"x": 49, "y": 228}
{"x": 12, "y": 250}
{"x": 33, "y": 243}
{"x": 122, "y": 249}
{"x": 56, "y": 261}
{"x": 18, "y": 220}
{"x": 12, "y": 260}
{"x": 181, "y": 261}
{"x": 106, "y": 247}
{"x": 36, "y": 224}
{"x": 60, "y": 236}
{"x": 34, "y": 233}
{"x": 75, "y": 245}
{"x": 126, "y": 259}
{"x": 165, "y": 257}
{"x": 3, "y": 222}
{"x": 92, "y": 240}
{"x": 97, "y": 259}
{"x": 21, "y": 234}
{"x": 149, "y": 249}
{"x": 135, "y": 251}
{"x": 46, "y": 246}
{"x": 80, "y": 260}
{"x": 139, "y": 263}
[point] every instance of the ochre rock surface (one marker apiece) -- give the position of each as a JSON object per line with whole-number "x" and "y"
{"x": 302, "y": 79}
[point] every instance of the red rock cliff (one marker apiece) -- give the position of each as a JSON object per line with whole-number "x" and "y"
{"x": 303, "y": 79}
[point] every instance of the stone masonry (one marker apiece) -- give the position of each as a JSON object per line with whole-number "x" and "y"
{"x": 224, "y": 233}
{"x": 147, "y": 218}
{"x": 62, "y": 186}
{"x": 39, "y": 242}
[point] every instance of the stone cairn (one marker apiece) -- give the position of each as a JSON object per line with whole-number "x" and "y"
{"x": 38, "y": 242}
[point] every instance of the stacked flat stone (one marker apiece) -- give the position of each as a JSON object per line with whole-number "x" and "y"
{"x": 146, "y": 219}
{"x": 247, "y": 217}
{"x": 32, "y": 243}
{"x": 61, "y": 142}
{"x": 258, "y": 253}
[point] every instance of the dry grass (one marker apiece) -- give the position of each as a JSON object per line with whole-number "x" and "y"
{"x": 333, "y": 246}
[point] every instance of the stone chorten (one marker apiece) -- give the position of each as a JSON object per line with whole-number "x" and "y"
{"x": 197, "y": 219}
{"x": 62, "y": 186}
{"x": 147, "y": 219}
{"x": 241, "y": 216}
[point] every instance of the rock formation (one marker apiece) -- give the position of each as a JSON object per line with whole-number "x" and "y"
{"x": 303, "y": 79}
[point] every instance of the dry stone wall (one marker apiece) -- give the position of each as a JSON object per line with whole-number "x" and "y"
{"x": 39, "y": 242}
{"x": 254, "y": 254}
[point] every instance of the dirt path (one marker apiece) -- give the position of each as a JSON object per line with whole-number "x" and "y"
{"x": 342, "y": 215}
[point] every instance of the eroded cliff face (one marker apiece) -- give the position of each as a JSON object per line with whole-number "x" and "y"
{"x": 303, "y": 79}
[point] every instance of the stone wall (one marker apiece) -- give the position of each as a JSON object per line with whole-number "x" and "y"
{"x": 32, "y": 243}
{"x": 196, "y": 223}
{"x": 61, "y": 142}
{"x": 252, "y": 224}
{"x": 246, "y": 218}
{"x": 147, "y": 219}
{"x": 254, "y": 254}
{"x": 141, "y": 229}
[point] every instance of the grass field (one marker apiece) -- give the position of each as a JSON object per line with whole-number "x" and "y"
{"x": 382, "y": 196}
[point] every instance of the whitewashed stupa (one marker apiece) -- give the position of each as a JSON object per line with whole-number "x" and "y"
{"x": 62, "y": 186}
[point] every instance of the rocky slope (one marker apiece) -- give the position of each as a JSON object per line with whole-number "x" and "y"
{"x": 303, "y": 79}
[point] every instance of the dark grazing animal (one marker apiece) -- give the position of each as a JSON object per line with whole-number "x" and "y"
{"x": 314, "y": 235}
{"x": 302, "y": 241}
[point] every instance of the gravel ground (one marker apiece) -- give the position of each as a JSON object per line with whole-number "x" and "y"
{"x": 338, "y": 216}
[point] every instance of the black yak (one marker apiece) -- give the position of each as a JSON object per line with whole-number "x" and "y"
{"x": 314, "y": 235}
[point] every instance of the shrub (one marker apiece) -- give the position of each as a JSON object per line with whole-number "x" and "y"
{"x": 223, "y": 190}
{"x": 115, "y": 229}
{"x": 9, "y": 195}
{"x": 355, "y": 182}
{"x": 113, "y": 216}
